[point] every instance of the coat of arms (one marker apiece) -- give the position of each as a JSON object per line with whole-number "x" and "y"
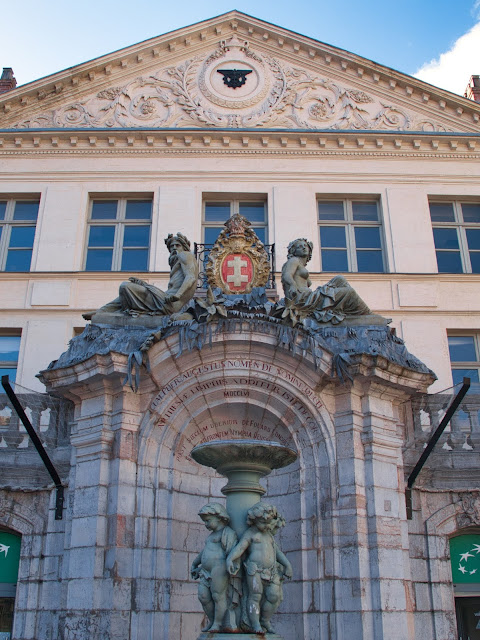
{"x": 238, "y": 261}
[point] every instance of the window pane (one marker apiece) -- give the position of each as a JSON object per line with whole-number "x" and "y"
{"x": 471, "y": 212}
{"x": 138, "y": 210}
{"x": 217, "y": 211}
{"x": 449, "y": 262}
{"x": 473, "y": 238}
{"x": 445, "y": 238}
{"x": 459, "y": 374}
{"x": 9, "y": 348}
{"x": 332, "y": 237}
{"x": 3, "y": 207}
{"x": 104, "y": 209}
{"x": 475, "y": 261}
{"x": 101, "y": 236}
{"x": 134, "y": 260}
{"x": 25, "y": 211}
{"x": 260, "y": 231}
{"x": 253, "y": 211}
{"x": 367, "y": 237}
{"x": 462, "y": 349}
{"x": 99, "y": 260}
{"x": 136, "y": 236}
{"x": 370, "y": 261}
{"x": 365, "y": 210}
{"x": 11, "y": 373}
{"x": 22, "y": 236}
{"x": 331, "y": 211}
{"x": 334, "y": 260}
{"x": 18, "y": 260}
{"x": 211, "y": 234}
{"x": 442, "y": 212}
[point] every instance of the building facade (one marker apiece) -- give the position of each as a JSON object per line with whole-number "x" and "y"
{"x": 234, "y": 115}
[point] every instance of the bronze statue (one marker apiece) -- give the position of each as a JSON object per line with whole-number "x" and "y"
{"x": 265, "y": 565}
{"x": 138, "y": 297}
{"x": 215, "y": 590}
{"x": 332, "y": 302}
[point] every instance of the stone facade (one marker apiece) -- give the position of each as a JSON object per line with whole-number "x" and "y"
{"x": 156, "y": 121}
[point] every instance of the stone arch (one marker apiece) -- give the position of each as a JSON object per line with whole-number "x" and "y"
{"x": 235, "y": 388}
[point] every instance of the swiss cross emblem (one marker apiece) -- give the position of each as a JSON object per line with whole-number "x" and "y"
{"x": 237, "y": 271}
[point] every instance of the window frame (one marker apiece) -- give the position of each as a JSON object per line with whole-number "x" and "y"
{"x": 465, "y": 364}
{"x": 460, "y": 227}
{"x": 234, "y": 200}
{"x": 11, "y": 365}
{"x": 120, "y": 222}
{"x": 8, "y": 223}
{"x": 349, "y": 224}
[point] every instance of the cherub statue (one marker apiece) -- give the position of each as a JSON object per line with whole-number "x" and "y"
{"x": 215, "y": 589}
{"x": 264, "y": 581}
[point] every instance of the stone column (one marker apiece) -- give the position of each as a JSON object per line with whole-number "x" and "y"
{"x": 372, "y": 585}
{"x": 99, "y": 569}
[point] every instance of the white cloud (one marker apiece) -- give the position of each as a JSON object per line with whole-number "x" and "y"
{"x": 452, "y": 70}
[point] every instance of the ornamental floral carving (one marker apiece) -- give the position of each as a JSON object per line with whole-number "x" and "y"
{"x": 238, "y": 261}
{"x": 193, "y": 94}
{"x": 469, "y": 510}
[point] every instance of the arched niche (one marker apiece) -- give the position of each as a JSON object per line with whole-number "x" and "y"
{"x": 236, "y": 388}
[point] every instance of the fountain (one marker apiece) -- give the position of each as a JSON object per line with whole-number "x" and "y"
{"x": 241, "y": 568}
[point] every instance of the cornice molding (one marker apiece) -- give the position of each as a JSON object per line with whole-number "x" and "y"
{"x": 214, "y": 142}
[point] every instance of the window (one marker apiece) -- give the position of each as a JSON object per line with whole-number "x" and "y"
{"x": 119, "y": 235}
{"x": 350, "y": 236}
{"x": 9, "y": 348}
{"x": 465, "y": 564}
{"x": 456, "y": 232}
{"x": 217, "y": 212}
{"x": 17, "y": 230}
{"x": 464, "y": 357}
{"x": 9, "y": 562}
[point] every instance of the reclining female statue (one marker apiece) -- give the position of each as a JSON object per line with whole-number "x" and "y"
{"x": 332, "y": 302}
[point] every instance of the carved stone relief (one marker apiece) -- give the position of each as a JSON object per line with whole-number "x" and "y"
{"x": 469, "y": 510}
{"x": 233, "y": 87}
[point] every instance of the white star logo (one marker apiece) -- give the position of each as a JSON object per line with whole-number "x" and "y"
{"x": 476, "y": 548}
{"x": 473, "y": 571}
{"x": 466, "y": 555}
{"x": 4, "y": 549}
{"x": 462, "y": 568}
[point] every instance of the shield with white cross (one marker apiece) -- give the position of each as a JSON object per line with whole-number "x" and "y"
{"x": 237, "y": 272}
{"x": 238, "y": 261}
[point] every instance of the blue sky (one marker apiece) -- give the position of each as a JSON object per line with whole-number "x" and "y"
{"x": 41, "y": 38}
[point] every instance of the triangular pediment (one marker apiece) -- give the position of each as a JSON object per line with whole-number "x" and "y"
{"x": 235, "y": 72}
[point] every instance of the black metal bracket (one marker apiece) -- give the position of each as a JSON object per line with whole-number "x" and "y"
{"x": 432, "y": 442}
{"x": 38, "y": 446}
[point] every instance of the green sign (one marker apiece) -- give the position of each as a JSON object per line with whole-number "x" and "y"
{"x": 9, "y": 556}
{"x": 465, "y": 558}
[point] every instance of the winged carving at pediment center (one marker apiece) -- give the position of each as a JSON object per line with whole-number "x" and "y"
{"x": 232, "y": 87}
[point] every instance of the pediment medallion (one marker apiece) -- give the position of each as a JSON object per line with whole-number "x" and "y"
{"x": 238, "y": 261}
